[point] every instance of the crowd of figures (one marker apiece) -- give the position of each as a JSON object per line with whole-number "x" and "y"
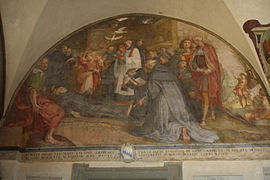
{"x": 170, "y": 92}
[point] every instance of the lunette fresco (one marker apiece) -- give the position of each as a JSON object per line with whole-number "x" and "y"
{"x": 142, "y": 80}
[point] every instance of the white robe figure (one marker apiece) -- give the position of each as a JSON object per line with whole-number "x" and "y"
{"x": 120, "y": 70}
{"x": 133, "y": 58}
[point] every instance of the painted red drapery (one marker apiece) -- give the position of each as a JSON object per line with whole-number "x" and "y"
{"x": 214, "y": 78}
{"x": 48, "y": 116}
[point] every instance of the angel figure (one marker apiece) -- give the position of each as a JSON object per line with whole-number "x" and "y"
{"x": 241, "y": 89}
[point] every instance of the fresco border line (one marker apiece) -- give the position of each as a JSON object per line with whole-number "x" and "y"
{"x": 137, "y": 147}
{"x": 11, "y": 148}
{"x": 204, "y": 146}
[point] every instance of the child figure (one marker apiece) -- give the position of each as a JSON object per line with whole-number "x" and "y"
{"x": 182, "y": 70}
{"x": 88, "y": 73}
{"x": 241, "y": 87}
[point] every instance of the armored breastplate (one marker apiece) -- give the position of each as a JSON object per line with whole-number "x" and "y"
{"x": 200, "y": 60}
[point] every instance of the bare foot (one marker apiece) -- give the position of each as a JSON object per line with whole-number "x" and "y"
{"x": 186, "y": 137}
{"x": 213, "y": 116}
{"x": 51, "y": 140}
{"x": 248, "y": 117}
{"x": 203, "y": 123}
{"x": 75, "y": 114}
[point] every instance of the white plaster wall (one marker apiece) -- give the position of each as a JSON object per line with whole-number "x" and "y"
{"x": 50, "y": 21}
{"x": 8, "y": 169}
{"x": 64, "y": 169}
{"x": 251, "y": 170}
{"x": 244, "y": 10}
{"x": 19, "y": 19}
{"x": 56, "y": 169}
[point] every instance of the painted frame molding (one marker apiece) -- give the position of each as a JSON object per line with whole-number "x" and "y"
{"x": 255, "y": 30}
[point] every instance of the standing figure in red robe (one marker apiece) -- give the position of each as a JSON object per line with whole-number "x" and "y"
{"x": 35, "y": 111}
{"x": 207, "y": 77}
{"x": 88, "y": 73}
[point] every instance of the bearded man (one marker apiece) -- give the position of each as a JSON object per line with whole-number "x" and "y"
{"x": 207, "y": 77}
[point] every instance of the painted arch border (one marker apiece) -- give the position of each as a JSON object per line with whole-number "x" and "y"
{"x": 2, "y": 69}
{"x": 169, "y": 146}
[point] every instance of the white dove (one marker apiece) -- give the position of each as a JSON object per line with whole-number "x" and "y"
{"x": 121, "y": 19}
{"x": 121, "y": 30}
{"x": 113, "y": 38}
{"x": 147, "y": 21}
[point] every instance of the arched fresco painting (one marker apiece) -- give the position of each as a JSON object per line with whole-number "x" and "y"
{"x": 141, "y": 80}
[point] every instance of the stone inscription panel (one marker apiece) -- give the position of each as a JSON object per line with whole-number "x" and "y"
{"x": 99, "y": 155}
{"x": 209, "y": 153}
{"x": 152, "y": 154}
